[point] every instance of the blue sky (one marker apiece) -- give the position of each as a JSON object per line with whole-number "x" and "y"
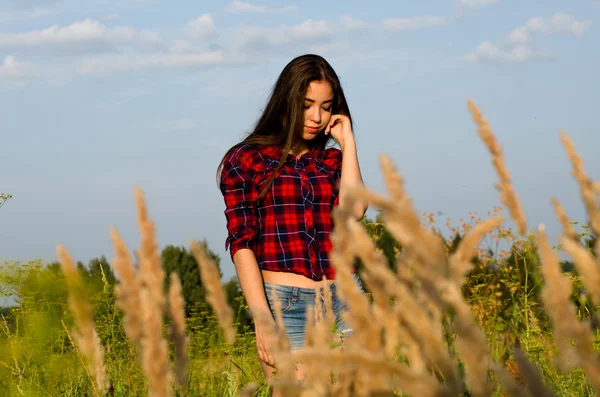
{"x": 98, "y": 97}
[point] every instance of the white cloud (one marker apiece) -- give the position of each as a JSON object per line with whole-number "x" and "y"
{"x": 351, "y": 23}
{"x": 201, "y": 27}
{"x": 310, "y": 35}
{"x": 559, "y": 23}
{"x": 158, "y": 61}
{"x": 85, "y": 35}
{"x": 476, "y": 3}
{"x": 487, "y": 51}
{"x": 12, "y": 69}
{"x": 185, "y": 46}
{"x": 244, "y": 7}
{"x": 308, "y": 30}
{"x": 520, "y": 40}
{"x": 414, "y": 23}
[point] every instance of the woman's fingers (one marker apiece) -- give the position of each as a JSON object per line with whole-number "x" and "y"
{"x": 334, "y": 119}
{"x": 264, "y": 355}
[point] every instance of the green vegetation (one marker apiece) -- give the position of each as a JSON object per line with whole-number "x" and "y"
{"x": 38, "y": 357}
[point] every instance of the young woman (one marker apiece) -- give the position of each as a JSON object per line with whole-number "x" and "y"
{"x": 280, "y": 185}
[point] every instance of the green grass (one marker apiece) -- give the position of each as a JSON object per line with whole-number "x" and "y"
{"x": 37, "y": 357}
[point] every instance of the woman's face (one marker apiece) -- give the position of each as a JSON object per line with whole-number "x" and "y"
{"x": 317, "y": 108}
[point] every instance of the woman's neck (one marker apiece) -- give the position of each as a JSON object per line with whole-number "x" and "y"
{"x": 299, "y": 149}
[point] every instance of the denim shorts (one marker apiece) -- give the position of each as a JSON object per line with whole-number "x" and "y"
{"x": 294, "y": 302}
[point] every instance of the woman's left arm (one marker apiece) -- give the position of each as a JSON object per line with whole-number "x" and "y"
{"x": 340, "y": 129}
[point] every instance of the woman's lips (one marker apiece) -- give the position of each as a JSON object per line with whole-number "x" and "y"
{"x": 313, "y": 129}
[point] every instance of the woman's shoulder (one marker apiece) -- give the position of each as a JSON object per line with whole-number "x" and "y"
{"x": 242, "y": 155}
{"x": 252, "y": 157}
{"x": 332, "y": 157}
{"x": 332, "y": 152}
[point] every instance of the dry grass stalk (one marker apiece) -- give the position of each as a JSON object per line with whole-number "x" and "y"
{"x": 317, "y": 338}
{"x": 215, "y": 295}
{"x": 413, "y": 318}
{"x": 342, "y": 258}
{"x": 319, "y": 334}
{"x": 278, "y": 344}
{"x": 586, "y": 185}
{"x": 566, "y": 325}
{"x": 590, "y": 274}
{"x": 370, "y": 364}
{"x": 154, "y": 349}
{"x": 511, "y": 386}
{"x": 86, "y": 336}
{"x": 155, "y": 353}
{"x": 563, "y": 218}
{"x": 394, "y": 182}
{"x": 405, "y": 226}
{"x": 535, "y": 381}
{"x": 460, "y": 261}
{"x": 249, "y": 390}
{"x": 142, "y": 298}
{"x": 128, "y": 291}
{"x": 151, "y": 272}
{"x": 508, "y": 195}
{"x": 178, "y": 336}
{"x": 472, "y": 346}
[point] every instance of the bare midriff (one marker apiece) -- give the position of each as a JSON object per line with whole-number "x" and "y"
{"x": 291, "y": 279}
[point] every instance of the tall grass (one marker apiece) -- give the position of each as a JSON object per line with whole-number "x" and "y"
{"x": 442, "y": 317}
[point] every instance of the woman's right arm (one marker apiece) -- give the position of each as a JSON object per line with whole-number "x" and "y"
{"x": 252, "y": 285}
{"x": 240, "y": 196}
{"x": 251, "y": 280}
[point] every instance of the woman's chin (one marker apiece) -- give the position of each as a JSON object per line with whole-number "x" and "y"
{"x": 308, "y": 136}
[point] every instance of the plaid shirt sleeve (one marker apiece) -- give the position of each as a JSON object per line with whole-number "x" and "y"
{"x": 333, "y": 158}
{"x": 240, "y": 196}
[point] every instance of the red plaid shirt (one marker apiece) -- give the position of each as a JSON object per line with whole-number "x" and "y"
{"x": 288, "y": 230}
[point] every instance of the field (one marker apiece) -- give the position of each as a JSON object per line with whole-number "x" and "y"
{"x": 485, "y": 310}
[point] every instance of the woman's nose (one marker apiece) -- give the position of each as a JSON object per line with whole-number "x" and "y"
{"x": 315, "y": 115}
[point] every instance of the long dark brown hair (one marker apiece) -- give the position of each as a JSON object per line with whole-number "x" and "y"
{"x": 281, "y": 123}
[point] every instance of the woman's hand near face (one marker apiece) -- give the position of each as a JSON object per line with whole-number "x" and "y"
{"x": 340, "y": 128}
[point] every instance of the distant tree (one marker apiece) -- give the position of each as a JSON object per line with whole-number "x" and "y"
{"x": 96, "y": 267}
{"x": 181, "y": 261}
{"x": 92, "y": 274}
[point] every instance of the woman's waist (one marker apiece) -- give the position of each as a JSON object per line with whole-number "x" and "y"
{"x": 282, "y": 277}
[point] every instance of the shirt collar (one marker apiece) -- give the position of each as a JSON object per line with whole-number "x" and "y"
{"x": 276, "y": 152}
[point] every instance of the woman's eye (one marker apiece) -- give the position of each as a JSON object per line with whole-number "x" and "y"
{"x": 327, "y": 109}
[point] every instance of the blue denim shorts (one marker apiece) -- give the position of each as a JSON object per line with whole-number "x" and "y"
{"x": 294, "y": 302}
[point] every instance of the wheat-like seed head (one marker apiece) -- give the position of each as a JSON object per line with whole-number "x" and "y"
{"x": 586, "y": 186}
{"x": 178, "y": 336}
{"x": 215, "y": 295}
{"x": 566, "y": 325}
{"x": 86, "y": 336}
{"x": 128, "y": 291}
{"x": 151, "y": 273}
{"x": 460, "y": 260}
{"x": 563, "y": 218}
{"x": 586, "y": 264}
{"x": 508, "y": 195}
